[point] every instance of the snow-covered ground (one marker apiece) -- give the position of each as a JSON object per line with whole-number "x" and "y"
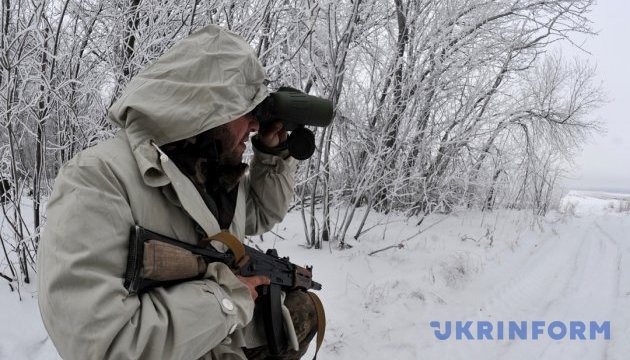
{"x": 571, "y": 266}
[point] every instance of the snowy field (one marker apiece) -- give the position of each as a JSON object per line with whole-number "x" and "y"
{"x": 500, "y": 267}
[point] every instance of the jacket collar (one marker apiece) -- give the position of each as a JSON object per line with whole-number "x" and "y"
{"x": 189, "y": 197}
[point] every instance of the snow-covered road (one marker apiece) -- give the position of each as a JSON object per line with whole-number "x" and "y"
{"x": 579, "y": 273}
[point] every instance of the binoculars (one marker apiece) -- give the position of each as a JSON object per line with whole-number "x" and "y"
{"x": 296, "y": 109}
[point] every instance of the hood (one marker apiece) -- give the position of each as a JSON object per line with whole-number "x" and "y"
{"x": 206, "y": 80}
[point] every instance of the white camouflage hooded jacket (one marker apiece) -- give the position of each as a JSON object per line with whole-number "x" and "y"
{"x": 204, "y": 81}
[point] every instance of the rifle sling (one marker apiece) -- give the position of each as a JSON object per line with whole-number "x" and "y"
{"x": 235, "y": 246}
{"x": 321, "y": 321}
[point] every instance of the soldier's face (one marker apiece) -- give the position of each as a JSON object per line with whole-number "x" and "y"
{"x": 233, "y": 137}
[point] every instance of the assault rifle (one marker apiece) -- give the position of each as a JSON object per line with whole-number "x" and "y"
{"x": 155, "y": 260}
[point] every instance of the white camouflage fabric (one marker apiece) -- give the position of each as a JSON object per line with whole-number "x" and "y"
{"x": 204, "y": 81}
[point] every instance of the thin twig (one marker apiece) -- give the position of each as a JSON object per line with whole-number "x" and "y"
{"x": 6, "y": 277}
{"x": 397, "y": 246}
{"x": 402, "y": 243}
{"x": 273, "y": 232}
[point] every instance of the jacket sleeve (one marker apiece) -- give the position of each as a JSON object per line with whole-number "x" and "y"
{"x": 85, "y": 307}
{"x": 270, "y": 184}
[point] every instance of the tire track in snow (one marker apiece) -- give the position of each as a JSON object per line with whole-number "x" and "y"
{"x": 565, "y": 279}
{"x": 590, "y": 295}
{"x": 618, "y": 347}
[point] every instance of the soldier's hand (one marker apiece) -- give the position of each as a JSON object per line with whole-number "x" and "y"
{"x": 253, "y": 281}
{"x": 272, "y": 135}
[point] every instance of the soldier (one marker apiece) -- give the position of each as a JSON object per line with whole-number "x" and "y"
{"x": 174, "y": 168}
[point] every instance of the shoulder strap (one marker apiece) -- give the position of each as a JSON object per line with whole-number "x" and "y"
{"x": 235, "y": 246}
{"x": 321, "y": 321}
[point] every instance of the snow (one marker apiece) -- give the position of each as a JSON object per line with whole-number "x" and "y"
{"x": 572, "y": 265}
{"x": 22, "y": 334}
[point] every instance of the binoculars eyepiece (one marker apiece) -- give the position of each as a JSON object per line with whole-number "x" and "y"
{"x": 296, "y": 109}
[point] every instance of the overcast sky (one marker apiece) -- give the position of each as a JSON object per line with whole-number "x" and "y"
{"x": 605, "y": 162}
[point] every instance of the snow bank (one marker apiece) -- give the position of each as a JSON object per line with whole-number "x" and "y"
{"x": 595, "y": 203}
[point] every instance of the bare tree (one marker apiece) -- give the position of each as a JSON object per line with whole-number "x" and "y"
{"x": 438, "y": 103}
